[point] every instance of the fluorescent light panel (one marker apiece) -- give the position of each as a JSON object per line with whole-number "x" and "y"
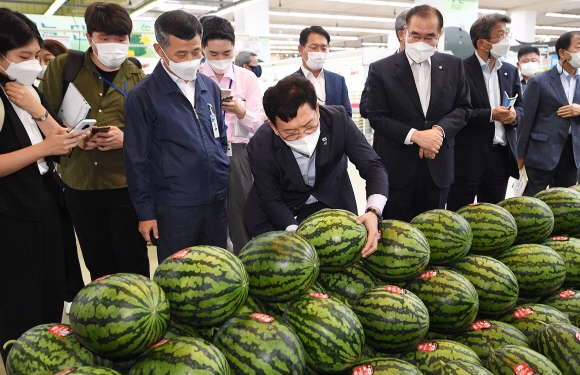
{"x": 331, "y": 16}
{"x": 145, "y": 8}
{"x": 547, "y": 36}
{"x": 54, "y": 7}
{"x": 333, "y": 28}
{"x": 236, "y": 6}
{"x": 563, "y": 15}
{"x": 296, "y": 36}
{"x": 555, "y": 28}
{"x": 377, "y": 2}
{"x": 490, "y": 11}
{"x": 371, "y": 44}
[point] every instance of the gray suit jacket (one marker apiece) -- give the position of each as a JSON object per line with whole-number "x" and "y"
{"x": 542, "y": 133}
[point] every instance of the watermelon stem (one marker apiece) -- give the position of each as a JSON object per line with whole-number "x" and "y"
{"x": 9, "y": 342}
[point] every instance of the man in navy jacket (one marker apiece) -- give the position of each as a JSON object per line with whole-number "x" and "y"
{"x": 175, "y": 144}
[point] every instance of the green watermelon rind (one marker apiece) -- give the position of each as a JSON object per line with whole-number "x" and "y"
{"x": 462, "y": 368}
{"x": 347, "y": 284}
{"x": 565, "y": 205}
{"x": 502, "y": 361}
{"x": 560, "y": 343}
{"x": 569, "y": 250}
{"x": 534, "y": 218}
{"x": 447, "y": 350}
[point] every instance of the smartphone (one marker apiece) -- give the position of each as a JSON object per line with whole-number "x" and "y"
{"x": 227, "y": 98}
{"x": 99, "y": 129}
{"x": 84, "y": 125}
{"x": 226, "y": 93}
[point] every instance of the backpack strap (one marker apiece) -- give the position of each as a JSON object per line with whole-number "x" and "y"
{"x": 72, "y": 67}
{"x": 3, "y": 111}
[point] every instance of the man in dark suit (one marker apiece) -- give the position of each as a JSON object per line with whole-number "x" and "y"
{"x": 485, "y": 149}
{"x": 330, "y": 87}
{"x": 300, "y": 167}
{"x": 549, "y": 137}
{"x": 418, "y": 101}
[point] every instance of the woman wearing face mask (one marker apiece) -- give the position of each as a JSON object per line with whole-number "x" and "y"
{"x": 243, "y": 115}
{"x": 31, "y": 249}
{"x": 50, "y": 49}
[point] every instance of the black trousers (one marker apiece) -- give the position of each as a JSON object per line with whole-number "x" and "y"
{"x": 108, "y": 231}
{"x": 32, "y": 269}
{"x": 419, "y": 195}
{"x": 240, "y": 182}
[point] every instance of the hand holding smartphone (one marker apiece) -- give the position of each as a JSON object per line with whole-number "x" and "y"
{"x": 84, "y": 125}
{"x": 100, "y": 129}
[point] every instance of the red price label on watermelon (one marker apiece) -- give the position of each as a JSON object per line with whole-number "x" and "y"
{"x": 60, "y": 330}
{"x": 559, "y": 238}
{"x": 162, "y": 342}
{"x": 522, "y": 312}
{"x": 482, "y": 324}
{"x": 67, "y": 371}
{"x": 263, "y": 317}
{"x": 180, "y": 254}
{"x": 429, "y": 274}
{"x": 578, "y": 336}
{"x": 395, "y": 289}
{"x": 474, "y": 204}
{"x": 102, "y": 278}
{"x": 319, "y": 295}
{"x": 567, "y": 294}
{"x": 523, "y": 369}
{"x": 428, "y": 347}
{"x": 367, "y": 369}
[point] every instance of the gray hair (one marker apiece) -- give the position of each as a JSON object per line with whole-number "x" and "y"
{"x": 482, "y": 27}
{"x": 244, "y": 57}
{"x": 178, "y": 23}
{"x": 401, "y": 21}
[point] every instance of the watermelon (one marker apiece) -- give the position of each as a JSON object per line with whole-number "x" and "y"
{"x": 252, "y": 305}
{"x": 513, "y": 359}
{"x": 565, "y": 205}
{"x": 384, "y": 366}
{"x": 178, "y": 329}
{"x": 569, "y": 249}
{"x": 331, "y": 333}
{"x": 393, "y": 318}
{"x": 336, "y": 236}
{"x": 494, "y": 228}
{"x": 431, "y": 335}
{"x": 484, "y": 336}
{"x": 119, "y": 316}
{"x": 451, "y": 299}
{"x": 496, "y": 285}
{"x": 448, "y": 233}
{"x": 402, "y": 252}
{"x": 49, "y": 348}
{"x": 560, "y": 343}
{"x": 368, "y": 353}
{"x": 204, "y": 284}
{"x": 259, "y": 344}
{"x": 534, "y": 218}
{"x": 462, "y": 368}
{"x": 123, "y": 367}
{"x": 346, "y": 285}
{"x": 429, "y": 356}
{"x": 181, "y": 355}
{"x": 540, "y": 271}
{"x": 281, "y": 265}
{"x": 532, "y": 318}
{"x": 85, "y": 370}
{"x": 567, "y": 301}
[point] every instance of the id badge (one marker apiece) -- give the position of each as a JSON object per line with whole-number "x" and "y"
{"x": 229, "y": 151}
{"x": 214, "y": 125}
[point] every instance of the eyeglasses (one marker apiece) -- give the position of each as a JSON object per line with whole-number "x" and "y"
{"x": 306, "y": 130}
{"x": 502, "y": 36}
{"x": 426, "y": 39}
{"x": 316, "y": 48}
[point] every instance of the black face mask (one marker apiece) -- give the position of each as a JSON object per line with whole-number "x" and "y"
{"x": 257, "y": 70}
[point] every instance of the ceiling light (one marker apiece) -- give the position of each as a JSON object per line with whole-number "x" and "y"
{"x": 54, "y": 7}
{"x": 547, "y": 36}
{"x": 284, "y": 42}
{"x": 563, "y": 15}
{"x": 556, "y": 28}
{"x": 377, "y": 2}
{"x": 333, "y": 28}
{"x": 296, "y": 36}
{"x": 377, "y": 44}
{"x": 235, "y": 6}
{"x": 145, "y": 8}
{"x": 490, "y": 11}
{"x": 332, "y": 16}
{"x": 199, "y": 7}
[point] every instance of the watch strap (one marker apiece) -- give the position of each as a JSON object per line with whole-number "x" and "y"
{"x": 41, "y": 118}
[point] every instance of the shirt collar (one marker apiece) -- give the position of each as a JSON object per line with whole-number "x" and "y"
{"x": 307, "y": 73}
{"x": 484, "y": 64}
{"x": 411, "y": 62}
{"x": 564, "y": 73}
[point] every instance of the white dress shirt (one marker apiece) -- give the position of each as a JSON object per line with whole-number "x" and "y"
{"x": 493, "y": 92}
{"x": 318, "y": 82}
{"x": 188, "y": 89}
{"x": 422, "y": 76}
{"x": 569, "y": 84}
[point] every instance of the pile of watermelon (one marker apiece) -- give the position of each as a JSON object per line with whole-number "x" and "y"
{"x": 489, "y": 289}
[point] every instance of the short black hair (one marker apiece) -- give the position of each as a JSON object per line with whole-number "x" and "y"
{"x": 424, "y": 11}
{"x": 16, "y": 31}
{"x": 215, "y": 27}
{"x": 304, "y": 34}
{"x": 285, "y": 98}
{"x": 526, "y": 50}
{"x": 565, "y": 40}
{"x": 180, "y": 24}
{"x": 483, "y": 26}
{"x": 108, "y": 18}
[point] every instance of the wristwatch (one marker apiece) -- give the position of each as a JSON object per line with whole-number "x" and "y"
{"x": 41, "y": 118}
{"x": 376, "y": 212}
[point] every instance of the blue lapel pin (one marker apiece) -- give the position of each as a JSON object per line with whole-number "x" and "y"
{"x": 324, "y": 141}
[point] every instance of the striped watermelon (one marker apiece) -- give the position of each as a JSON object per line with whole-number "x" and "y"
{"x": 49, "y": 348}
{"x": 123, "y": 367}
{"x": 402, "y": 253}
{"x": 120, "y": 316}
{"x": 532, "y": 318}
{"x": 429, "y": 356}
{"x": 252, "y": 305}
{"x": 534, "y": 218}
{"x": 569, "y": 249}
{"x": 336, "y": 236}
{"x": 494, "y": 228}
{"x": 259, "y": 344}
{"x": 540, "y": 271}
{"x": 451, "y": 299}
{"x": 567, "y": 301}
{"x": 204, "y": 284}
{"x": 462, "y": 368}
{"x": 368, "y": 352}
{"x": 431, "y": 335}
{"x": 178, "y": 329}
{"x": 496, "y": 285}
{"x": 281, "y": 265}
{"x": 448, "y": 233}
{"x": 85, "y": 370}
{"x": 565, "y": 205}
{"x": 484, "y": 336}
{"x": 276, "y": 309}
{"x": 513, "y": 359}
{"x": 181, "y": 355}
{"x": 393, "y": 319}
{"x": 384, "y": 366}
{"x": 346, "y": 285}
{"x": 331, "y": 333}
{"x": 560, "y": 343}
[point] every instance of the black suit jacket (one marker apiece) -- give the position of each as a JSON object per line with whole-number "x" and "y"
{"x": 474, "y": 142}
{"x": 279, "y": 190}
{"x": 394, "y": 108}
{"x": 335, "y": 89}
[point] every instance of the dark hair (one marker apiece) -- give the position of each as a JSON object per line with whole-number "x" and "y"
{"x": 180, "y": 24}
{"x": 483, "y": 26}
{"x": 400, "y": 22}
{"x": 290, "y": 93}
{"x": 424, "y": 11}
{"x": 304, "y": 34}
{"x": 108, "y": 18}
{"x": 16, "y": 31}
{"x": 54, "y": 47}
{"x": 217, "y": 28}
{"x": 526, "y": 50}
{"x": 565, "y": 40}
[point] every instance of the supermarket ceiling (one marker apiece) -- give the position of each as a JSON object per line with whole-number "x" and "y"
{"x": 351, "y": 23}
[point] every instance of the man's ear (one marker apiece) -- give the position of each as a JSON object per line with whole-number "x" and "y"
{"x": 273, "y": 127}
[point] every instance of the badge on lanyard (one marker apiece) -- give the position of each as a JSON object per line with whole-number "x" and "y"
{"x": 229, "y": 151}
{"x": 214, "y": 124}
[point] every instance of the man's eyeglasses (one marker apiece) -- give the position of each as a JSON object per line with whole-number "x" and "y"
{"x": 315, "y": 48}
{"x": 427, "y": 39}
{"x": 306, "y": 130}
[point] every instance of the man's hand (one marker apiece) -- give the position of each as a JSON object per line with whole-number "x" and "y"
{"x": 430, "y": 139}
{"x": 145, "y": 228}
{"x": 88, "y": 143}
{"x": 502, "y": 114}
{"x": 426, "y": 154}
{"x": 570, "y": 110}
{"x": 234, "y": 106}
{"x": 511, "y": 118}
{"x": 520, "y": 163}
{"x": 110, "y": 140}
{"x": 370, "y": 221}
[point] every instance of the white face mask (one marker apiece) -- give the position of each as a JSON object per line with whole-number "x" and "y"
{"x": 112, "y": 55}
{"x": 305, "y": 145}
{"x": 316, "y": 60}
{"x": 24, "y": 72}
{"x": 530, "y": 68}
{"x": 418, "y": 51}
{"x": 41, "y": 74}
{"x": 575, "y": 62}
{"x": 186, "y": 70}
{"x": 220, "y": 66}
{"x": 500, "y": 49}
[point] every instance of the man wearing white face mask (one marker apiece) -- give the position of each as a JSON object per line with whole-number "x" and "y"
{"x": 528, "y": 64}
{"x": 485, "y": 149}
{"x": 175, "y": 145}
{"x": 330, "y": 87}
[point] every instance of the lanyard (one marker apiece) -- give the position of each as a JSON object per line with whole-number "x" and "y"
{"x": 230, "y": 87}
{"x": 124, "y": 92}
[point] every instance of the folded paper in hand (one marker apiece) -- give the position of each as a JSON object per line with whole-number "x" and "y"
{"x": 520, "y": 184}
{"x": 74, "y": 107}
{"x": 507, "y": 101}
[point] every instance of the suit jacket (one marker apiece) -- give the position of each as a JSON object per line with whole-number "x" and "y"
{"x": 279, "y": 190}
{"x": 394, "y": 108}
{"x": 336, "y": 90}
{"x": 542, "y": 134}
{"x": 473, "y": 144}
